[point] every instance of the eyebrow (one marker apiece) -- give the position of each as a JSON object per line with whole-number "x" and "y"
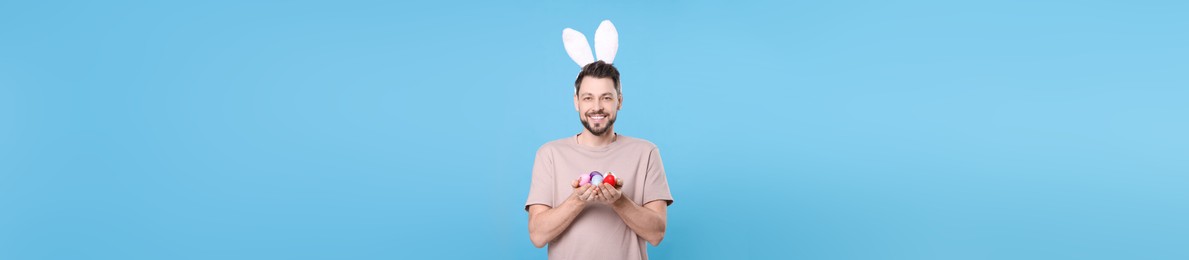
{"x": 589, "y": 94}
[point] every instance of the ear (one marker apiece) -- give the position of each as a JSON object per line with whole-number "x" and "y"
{"x": 620, "y": 106}
{"x": 606, "y": 41}
{"x": 576, "y": 103}
{"x": 577, "y": 47}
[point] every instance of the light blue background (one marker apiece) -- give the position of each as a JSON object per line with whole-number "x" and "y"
{"x": 406, "y": 130}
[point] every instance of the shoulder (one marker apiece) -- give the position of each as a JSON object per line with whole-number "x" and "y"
{"x": 554, "y": 145}
{"x": 637, "y": 143}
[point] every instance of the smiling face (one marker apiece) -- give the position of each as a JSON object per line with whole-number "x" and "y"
{"x": 597, "y": 102}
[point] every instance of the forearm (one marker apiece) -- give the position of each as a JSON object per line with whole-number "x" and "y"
{"x": 647, "y": 223}
{"x": 545, "y": 226}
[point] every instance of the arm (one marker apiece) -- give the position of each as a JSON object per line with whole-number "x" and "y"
{"x": 546, "y": 223}
{"x": 647, "y": 221}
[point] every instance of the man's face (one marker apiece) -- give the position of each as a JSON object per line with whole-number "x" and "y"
{"x": 597, "y": 103}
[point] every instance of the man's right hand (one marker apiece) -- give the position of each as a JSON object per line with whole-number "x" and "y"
{"x": 582, "y": 193}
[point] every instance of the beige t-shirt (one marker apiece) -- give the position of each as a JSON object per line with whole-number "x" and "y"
{"x": 598, "y": 232}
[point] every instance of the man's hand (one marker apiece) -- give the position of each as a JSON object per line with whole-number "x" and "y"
{"x": 581, "y": 194}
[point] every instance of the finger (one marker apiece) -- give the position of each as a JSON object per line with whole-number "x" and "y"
{"x": 589, "y": 193}
{"x": 618, "y": 183}
{"x": 612, "y": 192}
{"x": 574, "y": 184}
{"x": 606, "y": 193}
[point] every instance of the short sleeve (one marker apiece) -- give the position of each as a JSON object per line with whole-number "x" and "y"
{"x": 656, "y": 185}
{"x": 541, "y": 189}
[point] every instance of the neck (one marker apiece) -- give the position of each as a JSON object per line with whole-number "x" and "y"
{"x": 588, "y": 139}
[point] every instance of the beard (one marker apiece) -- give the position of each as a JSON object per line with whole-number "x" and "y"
{"x": 600, "y": 131}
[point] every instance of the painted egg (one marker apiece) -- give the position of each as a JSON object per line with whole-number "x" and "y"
{"x": 597, "y": 179}
{"x": 610, "y": 179}
{"x": 584, "y": 179}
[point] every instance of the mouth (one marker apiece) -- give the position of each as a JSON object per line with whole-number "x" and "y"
{"x": 598, "y": 118}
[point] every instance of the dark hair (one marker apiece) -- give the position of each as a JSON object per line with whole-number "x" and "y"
{"x": 598, "y": 70}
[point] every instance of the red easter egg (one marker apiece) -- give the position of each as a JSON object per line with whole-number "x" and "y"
{"x": 610, "y": 179}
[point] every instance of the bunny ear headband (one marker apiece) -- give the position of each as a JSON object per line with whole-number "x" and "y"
{"x": 606, "y": 44}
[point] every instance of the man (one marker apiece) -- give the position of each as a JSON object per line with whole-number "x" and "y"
{"x": 598, "y": 220}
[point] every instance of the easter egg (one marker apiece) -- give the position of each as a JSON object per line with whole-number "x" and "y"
{"x": 610, "y": 179}
{"x": 584, "y": 179}
{"x": 597, "y": 179}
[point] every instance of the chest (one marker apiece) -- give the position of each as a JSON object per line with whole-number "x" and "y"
{"x": 630, "y": 168}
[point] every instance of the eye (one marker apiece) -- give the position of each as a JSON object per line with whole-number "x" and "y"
{"x": 607, "y": 98}
{"x": 586, "y": 98}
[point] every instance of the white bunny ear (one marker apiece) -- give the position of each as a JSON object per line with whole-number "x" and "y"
{"x": 606, "y": 41}
{"x": 577, "y": 47}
